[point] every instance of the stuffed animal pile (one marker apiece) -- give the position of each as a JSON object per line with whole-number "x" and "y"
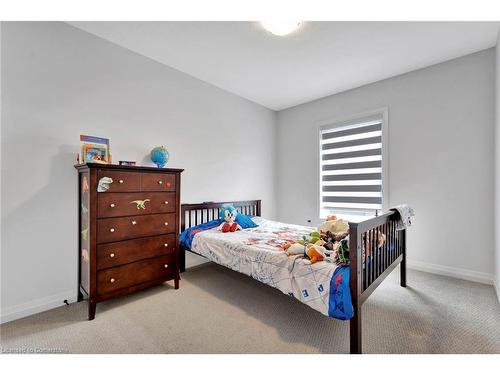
{"x": 329, "y": 243}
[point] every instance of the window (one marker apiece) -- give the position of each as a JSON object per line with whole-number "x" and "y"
{"x": 352, "y": 173}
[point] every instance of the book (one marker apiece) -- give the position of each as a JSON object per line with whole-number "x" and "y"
{"x": 94, "y": 149}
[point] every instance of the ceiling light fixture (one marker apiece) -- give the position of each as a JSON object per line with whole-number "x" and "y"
{"x": 281, "y": 27}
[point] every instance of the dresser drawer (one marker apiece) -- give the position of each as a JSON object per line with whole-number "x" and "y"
{"x": 121, "y": 277}
{"x": 122, "y": 181}
{"x": 123, "y": 204}
{"x": 123, "y": 252}
{"x": 158, "y": 182}
{"x": 122, "y": 228}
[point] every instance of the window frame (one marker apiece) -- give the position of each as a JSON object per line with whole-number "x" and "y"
{"x": 333, "y": 123}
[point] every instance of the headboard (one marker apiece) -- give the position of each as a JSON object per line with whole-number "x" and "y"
{"x": 198, "y": 213}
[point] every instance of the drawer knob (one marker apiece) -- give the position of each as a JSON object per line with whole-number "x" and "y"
{"x": 165, "y": 265}
{"x": 112, "y": 205}
{"x": 165, "y": 244}
{"x": 166, "y": 223}
{"x": 168, "y": 184}
{"x": 134, "y": 222}
{"x": 112, "y": 255}
{"x": 160, "y": 182}
{"x": 112, "y": 230}
{"x": 166, "y": 202}
{"x": 121, "y": 181}
{"x": 111, "y": 280}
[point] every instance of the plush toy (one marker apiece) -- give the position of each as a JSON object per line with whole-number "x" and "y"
{"x": 381, "y": 239}
{"x": 339, "y": 228}
{"x": 314, "y": 253}
{"x": 334, "y": 238}
{"x": 295, "y": 248}
{"x": 341, "y": 252}
{"x": 317, "y": 253}
{"x": 380, "y": 242}
{"x": 328, "y": 243}
{"x": 313, "y": 237}
{"x": 228, "y": 216}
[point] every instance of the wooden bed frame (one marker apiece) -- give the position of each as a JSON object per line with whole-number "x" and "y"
{"x": 365, "y": 277}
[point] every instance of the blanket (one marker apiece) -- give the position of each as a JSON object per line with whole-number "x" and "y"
{"x": 259, "y": 253}
{"x": 405, "y": 214}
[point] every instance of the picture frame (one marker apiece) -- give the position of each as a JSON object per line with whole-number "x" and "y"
{"x": 94, "y": 149}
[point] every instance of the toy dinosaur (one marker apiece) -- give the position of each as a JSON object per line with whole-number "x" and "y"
{"x": 141, "y": 203}
{"x": 103, "y": 184}
{"x": 85, "y": 233}
{"x": 85, "y": 184}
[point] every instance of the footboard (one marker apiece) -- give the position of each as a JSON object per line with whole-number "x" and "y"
{"x": 371, "y": 261}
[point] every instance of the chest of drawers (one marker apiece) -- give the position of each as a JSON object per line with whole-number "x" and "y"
{"x": 128, "y": 225}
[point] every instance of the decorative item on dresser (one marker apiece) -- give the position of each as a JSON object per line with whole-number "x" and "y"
{"x": 128, "y": 220}
{"x": 160, "y": 156}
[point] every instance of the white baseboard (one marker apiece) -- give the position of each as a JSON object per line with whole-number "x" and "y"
{"x": 458, "y": 273}
{"x": 36, "y": 306}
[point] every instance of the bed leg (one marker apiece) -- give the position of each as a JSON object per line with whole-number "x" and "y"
{"x": 403, "y": 260}
{"x": 92, "y": 305}
{"x": 403, "y": 272}
{"x": 355, "y": 284}
{"x": 355, "y": 331}
{"x": 182, "y": 259}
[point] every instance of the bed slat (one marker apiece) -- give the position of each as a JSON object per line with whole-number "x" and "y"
{"x": 199, "y": 213}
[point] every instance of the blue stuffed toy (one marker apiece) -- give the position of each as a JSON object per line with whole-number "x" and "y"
{"x": 228, "y": 216}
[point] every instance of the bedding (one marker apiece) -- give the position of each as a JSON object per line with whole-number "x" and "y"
{"x": 258, "y": 252}
{"x": 245, "y": 221}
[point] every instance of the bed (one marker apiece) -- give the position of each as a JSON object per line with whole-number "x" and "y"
{"x": 333, "y": 290}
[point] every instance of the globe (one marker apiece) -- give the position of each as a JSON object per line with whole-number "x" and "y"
{"x": 159, "y": 156}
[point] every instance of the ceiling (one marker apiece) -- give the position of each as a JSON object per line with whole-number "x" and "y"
{"x": 319, "y": 59}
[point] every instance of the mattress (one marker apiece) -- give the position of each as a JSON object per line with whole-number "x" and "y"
{"x": 258, "y": 252}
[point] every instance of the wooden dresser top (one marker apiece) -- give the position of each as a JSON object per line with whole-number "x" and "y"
{"x": 127, "y": 168}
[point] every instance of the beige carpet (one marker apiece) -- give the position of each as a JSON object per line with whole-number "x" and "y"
{"x": 220, "y": 311}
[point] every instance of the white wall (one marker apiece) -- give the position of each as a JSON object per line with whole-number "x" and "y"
{"x": 441, "y": 123}
{"x": 59, "y": 82}
{"x": 497, "y": 171}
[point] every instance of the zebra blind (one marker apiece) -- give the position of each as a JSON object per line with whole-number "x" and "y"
{"x": 351, "y": 167}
